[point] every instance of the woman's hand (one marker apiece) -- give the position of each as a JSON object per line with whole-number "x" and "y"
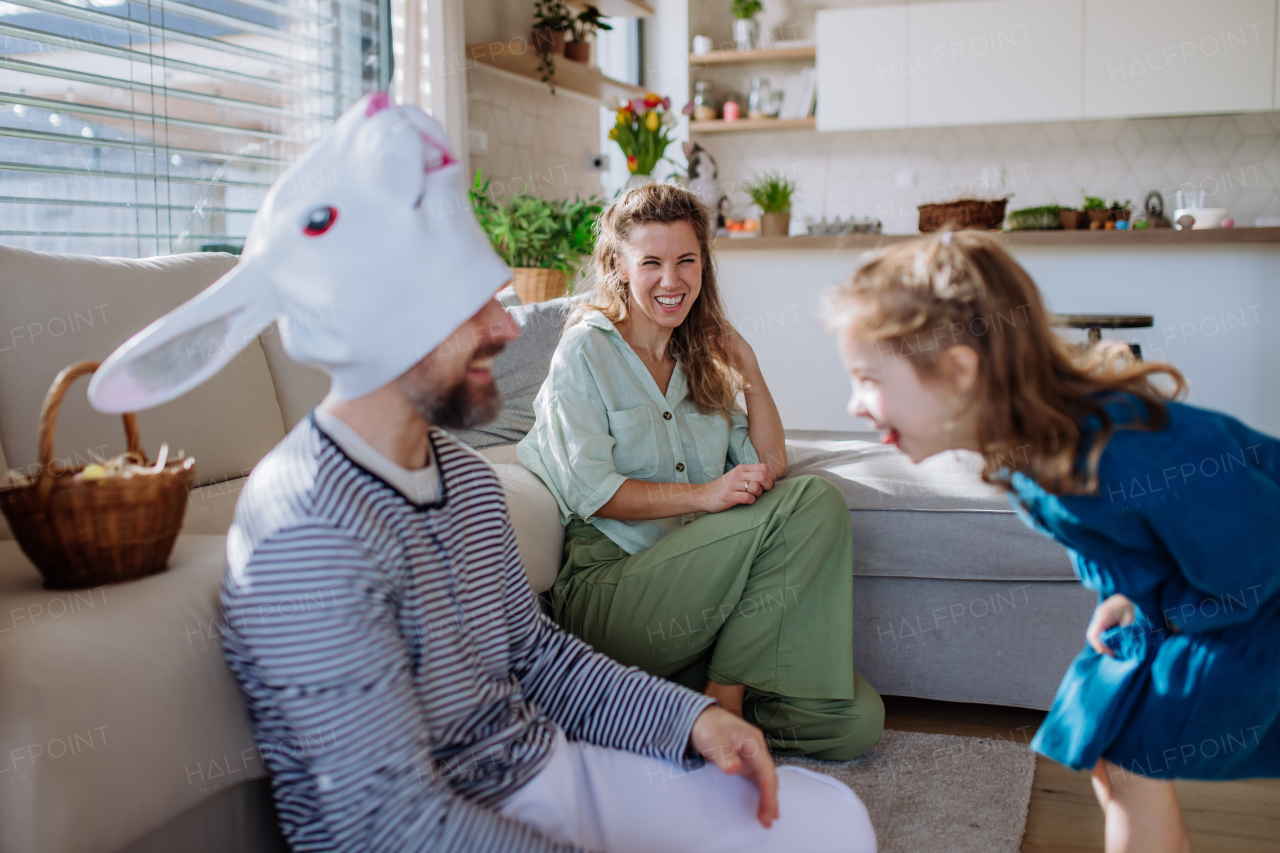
{"x": 737, "y": 747}
{"x": 1116, "y": 610}
{"x": 742, "y": 485}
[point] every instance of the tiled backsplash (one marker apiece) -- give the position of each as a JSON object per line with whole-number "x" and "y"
{"x": 537, "y": 142}
{"x": 1235, "y": 159}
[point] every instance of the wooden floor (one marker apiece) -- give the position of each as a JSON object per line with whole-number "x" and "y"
{"x": 1224, "y": 817}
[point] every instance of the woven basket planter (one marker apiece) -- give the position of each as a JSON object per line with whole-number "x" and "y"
{"x": 966, "y": 213}
{"x": 83, "y": 533}
{"x": 533, "y": 284}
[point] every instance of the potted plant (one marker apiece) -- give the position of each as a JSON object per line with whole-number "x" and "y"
{"x": 542, "y": 240}
{"x": 1044, "y": 218}
{"x": 746, "y": 29}
{"x": 580, "y": 29}
{"x": 1121, "y": 211}
{"x": 643, "y": 132}
{"x": 551, "y": 20}
{"x": 1097, "y": 211}
{"x": 772, "y": 192}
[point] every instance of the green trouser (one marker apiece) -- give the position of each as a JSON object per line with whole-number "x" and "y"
{"x": 758, "y": 595}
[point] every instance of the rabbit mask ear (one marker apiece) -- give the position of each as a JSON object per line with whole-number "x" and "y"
{"x": 186, "y": 346}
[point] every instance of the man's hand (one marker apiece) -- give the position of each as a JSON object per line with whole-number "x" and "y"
{"x": 742, "y": 485}
{"x": 1116, "y": 610}
{"x": 737, "y": 747}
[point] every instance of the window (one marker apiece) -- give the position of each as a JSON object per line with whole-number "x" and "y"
{"x": 618, "y": 55}
{"x": 147, "y": 127}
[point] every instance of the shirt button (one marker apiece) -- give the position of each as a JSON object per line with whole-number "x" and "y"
{"x": 679, "y": 466}
{"x": 666, "y": 416}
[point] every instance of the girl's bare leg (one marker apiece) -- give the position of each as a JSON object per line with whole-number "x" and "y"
{"x": 1142, "y": 814}
{"x": 728, "y": 695}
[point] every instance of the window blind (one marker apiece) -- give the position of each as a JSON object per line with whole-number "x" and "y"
{"x": 145, "y": 127}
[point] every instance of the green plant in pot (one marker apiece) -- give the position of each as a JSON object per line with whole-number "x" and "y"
{"x": 581, "y": 28}
{"x": 542, "y": 240}
{"x": 551, "y": 20}
{"x": 1121, "y": 211}
{"x": 746, "y": 29}
{"x": 1044, "y": 218}
{"x": 772, "y": 193}
{"x": 1096, "y": 209}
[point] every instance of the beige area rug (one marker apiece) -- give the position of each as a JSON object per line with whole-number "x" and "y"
{"x": 932, "y": 793}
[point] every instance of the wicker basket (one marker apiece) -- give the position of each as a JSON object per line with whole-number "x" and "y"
{"x": 966, "y": 213}
{"x": 82, "y": 533}
{"x": 534, "y": 284}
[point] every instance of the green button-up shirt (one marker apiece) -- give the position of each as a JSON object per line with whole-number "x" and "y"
{"x": 601, "y": 421}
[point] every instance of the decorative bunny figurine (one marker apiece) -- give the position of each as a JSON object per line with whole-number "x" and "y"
{"x": 704, "y": 183}
{"x": 365, "y": 249}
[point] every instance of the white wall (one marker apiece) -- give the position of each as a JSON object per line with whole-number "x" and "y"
{"x": 773, "y": 299}
{"x": 537, "y": 142}
{"x": 1234, "y": 158}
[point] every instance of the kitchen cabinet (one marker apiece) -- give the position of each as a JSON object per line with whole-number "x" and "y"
{"x": 994, "y": 61}
{"x": 862, "y": 68}
{"x": 1178, "y": 57}
{"x": 1001, "y": 61}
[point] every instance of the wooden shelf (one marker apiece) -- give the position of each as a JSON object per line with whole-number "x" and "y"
{"x": 732, "y": 57}
{"x": 751, "y": 124}
{"x": 518, "y": 57}
{"x": 617, "y": 8}
{"x": 1090, "y": 239}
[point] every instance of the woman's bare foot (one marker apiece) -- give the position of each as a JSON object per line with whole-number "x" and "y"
{"x": 728, "y": 695}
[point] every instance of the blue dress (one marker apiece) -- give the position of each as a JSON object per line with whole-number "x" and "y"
{"x": 1187, "y": 525}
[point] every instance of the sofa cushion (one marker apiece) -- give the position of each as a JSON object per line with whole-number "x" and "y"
{"x": 299, "y": 387}
{"x": 937, "y": 519}
{"x": 117, "y": 710}
{"x": 60, "y": 309}
{"x": 519, "y": 370}
{"x": 535, "y": 516}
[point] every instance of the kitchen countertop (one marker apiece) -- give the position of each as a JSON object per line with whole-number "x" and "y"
{"x": 1144, "y": 237}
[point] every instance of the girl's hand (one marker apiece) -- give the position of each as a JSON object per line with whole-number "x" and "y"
{"x": 1116, "y": 610}
{"x": 742, "y": 485}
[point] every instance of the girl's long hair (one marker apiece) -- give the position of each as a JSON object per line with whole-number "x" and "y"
{"x": 701, "y": 343}
{"x": 1034, "y": 388}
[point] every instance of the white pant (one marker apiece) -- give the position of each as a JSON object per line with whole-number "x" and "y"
{"x": 612, "y": 801}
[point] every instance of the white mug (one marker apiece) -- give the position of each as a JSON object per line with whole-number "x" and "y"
{"x": 702, "y": 45}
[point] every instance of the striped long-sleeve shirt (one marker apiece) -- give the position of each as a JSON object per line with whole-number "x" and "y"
{"x": 400, "y": 677}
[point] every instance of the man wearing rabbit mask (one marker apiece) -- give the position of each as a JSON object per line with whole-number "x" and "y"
{"x": 406, "y": 689}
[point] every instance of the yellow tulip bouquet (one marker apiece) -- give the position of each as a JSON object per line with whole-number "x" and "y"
{"x": 643, "y": 132}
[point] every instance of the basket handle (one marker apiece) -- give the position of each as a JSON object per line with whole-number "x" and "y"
{"x": 49, "y": 424}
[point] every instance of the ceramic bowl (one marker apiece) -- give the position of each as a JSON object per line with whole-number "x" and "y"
{"x": 1205, "y": 217}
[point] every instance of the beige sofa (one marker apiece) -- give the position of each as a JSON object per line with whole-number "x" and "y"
{"x": 121, "y": 727}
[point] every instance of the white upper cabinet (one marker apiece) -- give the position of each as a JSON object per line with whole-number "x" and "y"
{"x": 862, "y": 68}
{"x": 1171, "y": 57}
{"x": 1000, "y": 61}
{"x": 994, "y": 61}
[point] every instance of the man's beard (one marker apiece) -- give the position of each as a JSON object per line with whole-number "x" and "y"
{"x": 456, "y": 407}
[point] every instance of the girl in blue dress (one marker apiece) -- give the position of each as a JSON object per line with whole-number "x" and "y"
{"x": 1171, "y": 513}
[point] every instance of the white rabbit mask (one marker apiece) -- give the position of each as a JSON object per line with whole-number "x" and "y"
{"x": 365, "y": 249}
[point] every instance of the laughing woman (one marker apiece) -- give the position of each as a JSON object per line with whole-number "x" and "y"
{"x": 683, "y": 555}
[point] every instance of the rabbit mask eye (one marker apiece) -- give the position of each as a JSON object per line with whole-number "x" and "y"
{"x": 320, "y": 220}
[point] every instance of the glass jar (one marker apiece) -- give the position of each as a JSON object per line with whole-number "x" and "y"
{"x": 760, "y": 100}
{"x": 704, "y": 102}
